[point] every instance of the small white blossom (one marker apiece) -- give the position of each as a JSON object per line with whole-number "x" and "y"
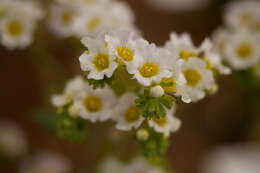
{"x": 127, "y": 115}
{"x": 198, "y": 79}
{"x": 243, "y": 14}
{"x": 72, "y": 88}
{"x": 241, "y": 49}
{"x": 61, "y": 19}
{"x": 153, "y": 65}
{"x": 97, "y": 60}
{"x": 167, "y": 124}
{"x": 95, "y": 105}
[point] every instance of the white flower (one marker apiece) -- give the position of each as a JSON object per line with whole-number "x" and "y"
{"x": 111, "y": 165}
{"x": 140, "y": 164}
{"x": 167, "y": 124}
{"x": 46, "y": 162}
{"x": 73, "y": 88}
{"x": 16, "y": 31}
{"x": 12, "y": 140}
{"x": 243, "y": 14}
{"x": 152, "y": 65}
{"x": 198, "y": 79}
{"x": 178, "y": 5}
{"x": 97, "y": 61}
{"x": 121, "y": 15}
{"x": 241, "y": 50}
{"x": 123, "y": 45}
{"x": 238, "y": 158}
{"x": 127, "y": 115}
{"x": 212, "y": 58}
{"x": 91, "y": 21}
{"x": 96, "y": 105}
{"x": 61, "y": 19}
{"x": 181, "y": 45}
{"x": 220, "y": 39}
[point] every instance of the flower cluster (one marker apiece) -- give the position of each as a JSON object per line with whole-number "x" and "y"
{"x": 135, "y": 83}
{"x": 18, "y": 20}
{"x": 87, "y": 17}
{"x": 238, "y": 42}
{"x": 138, "y": 164}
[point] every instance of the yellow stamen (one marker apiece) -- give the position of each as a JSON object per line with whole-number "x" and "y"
{"x": 93, "y": 103}
{"x": 15, "y": 28}
{"x": 132, "y": 114}
{"x": 171, "y": 88}
{"x": 162, "y": 121}
{"x": 185, "y": 54}
{"x": 149, "y": 69}
{"x": 192, "y": 77}
{"x": 125, "y": 53}
{"x": 66, "y": 18}
{"x": 93, "y": 24}
{"x": 101, "y": 61}
{"x": 244, "y": 50}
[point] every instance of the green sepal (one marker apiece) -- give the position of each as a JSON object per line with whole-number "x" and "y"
{"x": 152, "y": 107}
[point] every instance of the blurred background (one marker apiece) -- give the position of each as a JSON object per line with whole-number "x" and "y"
{"x": 30, "y": 76}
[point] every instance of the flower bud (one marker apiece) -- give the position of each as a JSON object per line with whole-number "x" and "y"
{"x": 157, "y": 91}
{"x": 142, "y": 135}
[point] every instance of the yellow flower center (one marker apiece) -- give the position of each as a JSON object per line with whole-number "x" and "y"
{"x": 162, "y": 121}
{"x": 15, "y": 28}
{"x": 101, "y": 61}
{"x": 171, "y": 85}
{"x": 192, "y": 77}
{"x": 66, "y": 18}
{"x": 125, "y": 53}
{"x": 93, "y": 23}
{"x": 245, "y": 18}
{"x": 93, "y": 103}
{"x": 132, "y": 114}
{"x": 185, "y": 54}
{"x": 244, "y": 50}
{"x": 149, "y": 69}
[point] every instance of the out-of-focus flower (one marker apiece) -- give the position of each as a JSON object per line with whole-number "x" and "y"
{"x": 61, "y": 19}
{"x": 12, "y": 140}
{"x": 89, "y": 17}
{"x": 175, "y": 6}
{"x": 240, "y": 49}
{"x": 18, "y": 21}
{"x": 166, "y": 124}
{"x": 111, "y": 165}
{"x": 46, "y": 162}
{"x": 96, "y": 105}
{"x": 127, "y": 115}
{"x": 72, "y": 88}
{"x": 233, "y": 159}
{"x": 138, "y": 164}
{"x": 243, "y": 14}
